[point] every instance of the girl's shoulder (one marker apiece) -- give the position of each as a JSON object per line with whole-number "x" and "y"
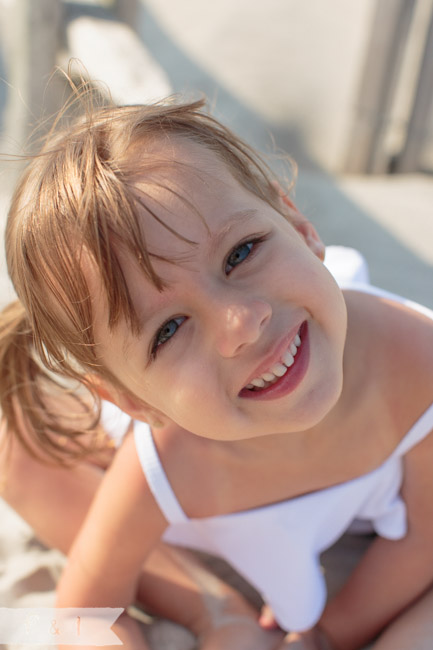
{"x": 385, "y": 297}
{"x": 393, "y": 316}
{"x": 400, "y": 332}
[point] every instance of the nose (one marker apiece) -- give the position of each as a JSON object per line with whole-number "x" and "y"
{"x": 237, "y": 324}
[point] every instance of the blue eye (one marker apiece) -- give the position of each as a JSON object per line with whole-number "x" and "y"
{"x": 167, "y": 331}
{"x": 238, "y": 255}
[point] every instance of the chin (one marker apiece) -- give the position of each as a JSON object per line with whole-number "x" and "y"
{"x": 318, "y": 404}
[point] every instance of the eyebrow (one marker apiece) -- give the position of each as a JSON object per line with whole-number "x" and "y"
{"x": 236, "y": 219}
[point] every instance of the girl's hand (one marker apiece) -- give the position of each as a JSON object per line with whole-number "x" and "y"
{"x": 313, "y": 639}
{"x": 241, "y": 633}
{"x": 267, "y": 619}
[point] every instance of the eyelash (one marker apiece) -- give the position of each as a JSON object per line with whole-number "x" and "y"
{"x": 254, "y": 241}
{"x": 156, "y": 344}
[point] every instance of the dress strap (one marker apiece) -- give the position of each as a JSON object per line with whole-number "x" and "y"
{"x": 417, "y": 432}
{"x": 156, "y": 476}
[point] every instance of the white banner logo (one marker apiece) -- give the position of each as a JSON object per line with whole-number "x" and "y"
{"x": 59, "y": 626}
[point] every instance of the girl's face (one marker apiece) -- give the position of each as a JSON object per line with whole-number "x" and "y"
{"x": 247, "y": 338}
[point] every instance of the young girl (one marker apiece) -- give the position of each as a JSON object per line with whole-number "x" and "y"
{"x": 161, "y": 265}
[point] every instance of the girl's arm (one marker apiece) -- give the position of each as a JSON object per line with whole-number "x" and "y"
{"x": 123, "y": 525}
{"x": 172, "y": 584}
{"x": 392, "y": 574}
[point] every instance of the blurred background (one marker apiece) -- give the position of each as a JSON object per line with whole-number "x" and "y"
{"x": 343, "y": 86}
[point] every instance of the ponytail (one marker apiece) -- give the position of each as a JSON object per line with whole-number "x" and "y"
{"x": 47, "y": 417}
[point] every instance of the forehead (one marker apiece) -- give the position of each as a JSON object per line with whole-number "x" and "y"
{"x": 189, "y": 198}
{"x": 193, "y": 189}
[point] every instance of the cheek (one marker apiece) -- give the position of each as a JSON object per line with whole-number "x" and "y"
{"x": 186, "y": 394}
{"x": 306, "y": 281}
{"x": 296, "y": 271}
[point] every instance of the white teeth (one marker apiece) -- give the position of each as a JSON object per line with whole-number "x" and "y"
{"x": 258, "y": 383}
{"x": 288, "y": 359}
{"x": 279, "y": 369}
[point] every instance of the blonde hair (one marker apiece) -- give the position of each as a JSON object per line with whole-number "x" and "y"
{"x": 80, "y": 194}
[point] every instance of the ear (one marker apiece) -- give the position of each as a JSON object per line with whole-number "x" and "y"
{"x": 301, "y": 224}
{"x": 127, "y": 402}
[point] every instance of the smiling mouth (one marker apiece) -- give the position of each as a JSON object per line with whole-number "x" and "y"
{"x": 279, "y": 369}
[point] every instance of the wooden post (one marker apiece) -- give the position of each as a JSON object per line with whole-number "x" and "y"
{"x": 417, "y": 131}
{"x": 31, "y": 50}
{"x": 127, "y": 11}
{"x": 387, "y": 42}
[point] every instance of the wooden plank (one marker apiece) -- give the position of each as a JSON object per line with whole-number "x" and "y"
{"x": 31, "y": 57}
{"x": 127, "y": 11}
{"x": 384, "y": 54}
{"x": 420, "y": 121}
